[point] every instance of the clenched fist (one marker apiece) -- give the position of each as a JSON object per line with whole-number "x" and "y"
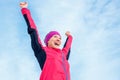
{"x": 23, "y": 4}
{"x": 67, "y": 33}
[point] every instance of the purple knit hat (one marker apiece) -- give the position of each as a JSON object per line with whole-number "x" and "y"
{"x": 49, "y": 35}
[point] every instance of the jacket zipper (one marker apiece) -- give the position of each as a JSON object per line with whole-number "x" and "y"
{"x": 64, "y": 66}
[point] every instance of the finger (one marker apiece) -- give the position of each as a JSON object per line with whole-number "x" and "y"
{"x": 23, "y": 3}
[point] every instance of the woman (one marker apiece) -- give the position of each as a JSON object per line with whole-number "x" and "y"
{"x": 53, "y": 61}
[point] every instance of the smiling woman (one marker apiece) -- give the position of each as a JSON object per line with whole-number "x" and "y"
{"x": 54, "y": 41}
{"x": 53, "y": 61}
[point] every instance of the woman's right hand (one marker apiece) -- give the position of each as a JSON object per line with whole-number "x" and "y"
{"x": 23, "y": 4}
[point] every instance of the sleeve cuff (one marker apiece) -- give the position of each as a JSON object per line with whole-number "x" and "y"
{"x": 24, "y": 11}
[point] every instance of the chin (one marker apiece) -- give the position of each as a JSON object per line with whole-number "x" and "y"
{"x": 57, "y": 47}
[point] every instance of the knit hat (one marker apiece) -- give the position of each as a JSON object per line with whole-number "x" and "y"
{"x": 49, "y": 35}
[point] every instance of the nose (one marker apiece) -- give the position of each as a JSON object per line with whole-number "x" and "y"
{"x": 58, "y": 39}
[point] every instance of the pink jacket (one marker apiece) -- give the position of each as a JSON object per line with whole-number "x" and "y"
{"x": 53, "y": 62}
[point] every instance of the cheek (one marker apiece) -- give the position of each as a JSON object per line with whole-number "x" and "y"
{"x": 60, "y": 41}
{"x": 51, "y": 42}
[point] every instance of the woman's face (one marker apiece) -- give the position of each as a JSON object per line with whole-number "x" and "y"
{"x": 54, "y": 41}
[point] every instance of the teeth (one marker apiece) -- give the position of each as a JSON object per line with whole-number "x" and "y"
{"x": 56, "y": 44}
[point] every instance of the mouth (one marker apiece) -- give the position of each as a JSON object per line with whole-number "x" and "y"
{"x": 56, "y": 44}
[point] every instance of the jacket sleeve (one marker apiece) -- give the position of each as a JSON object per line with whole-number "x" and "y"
{"x": 35, "y": 40}
{"x": 67, "y": 46}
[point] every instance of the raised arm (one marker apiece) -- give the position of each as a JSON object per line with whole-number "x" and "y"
{"x": 67, "y": 45}
{"x": 27, "y": 15}
{"x": 33, "y": 32}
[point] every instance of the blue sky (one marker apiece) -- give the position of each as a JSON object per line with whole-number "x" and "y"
{"x": 94, "y": 24}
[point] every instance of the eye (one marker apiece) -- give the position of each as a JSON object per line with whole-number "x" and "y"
{"x": 57, "y": 36}
{"x": 60, "y": 38}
